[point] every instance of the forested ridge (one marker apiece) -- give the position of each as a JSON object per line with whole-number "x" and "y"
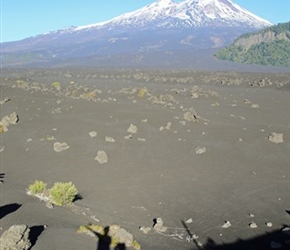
{"x": 270, "y": 46}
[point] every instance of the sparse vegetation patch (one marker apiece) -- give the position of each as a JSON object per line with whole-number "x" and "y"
{"x": 61, "y": 193}
{"x": 37, "y": 187}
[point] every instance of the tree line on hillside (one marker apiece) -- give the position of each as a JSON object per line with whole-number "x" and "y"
{"x": 276, "y": 53}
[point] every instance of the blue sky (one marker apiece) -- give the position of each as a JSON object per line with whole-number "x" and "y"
{"x": 24, "y": 18}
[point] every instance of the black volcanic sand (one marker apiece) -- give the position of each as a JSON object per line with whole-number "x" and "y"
{"x": 242, "y": 177}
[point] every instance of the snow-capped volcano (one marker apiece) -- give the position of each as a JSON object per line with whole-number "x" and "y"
{"x": 162, "y": 26}
{"x": 189, "y": 13}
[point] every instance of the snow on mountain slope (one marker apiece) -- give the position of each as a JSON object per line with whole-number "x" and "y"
{"x": 189, "y": 13}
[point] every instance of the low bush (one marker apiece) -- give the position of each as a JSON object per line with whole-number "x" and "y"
{"x": 63, "y": 193}
{"x": 56, "y": 85}
{"x": 37, "y": 187}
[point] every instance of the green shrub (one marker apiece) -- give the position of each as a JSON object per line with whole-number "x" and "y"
{"x": 56, "y": 85}
{"x": 37, "y": 187}
{"x": 63, "y": 193}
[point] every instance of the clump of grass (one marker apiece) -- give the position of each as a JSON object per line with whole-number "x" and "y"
{"x": 136, "y": 245}
{"x": 142, "y": 92}
{"x": 90, "y": 229}
{"x": 63, "y": 193}
{"x": 37, "y": 187}
{"x": 56, "y": 85}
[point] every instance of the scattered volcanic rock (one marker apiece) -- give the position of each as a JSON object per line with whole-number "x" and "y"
{"x": 93, "y": 134}
{"x": 132, "y": 129}
{"x": 102, "y": 157}
{"x": 255, "y": 106}
{"x": 158, "y": 226}
{"x": 188, "y": 221}
{"x": 253, "y": 225}
{"x": 13, "y": 118}
{"x": 8, "y": 120}
{"x": 190, "y": 115}
{"x": 276, "y": 137}
{"x": 128, "y": 136}
{"x": 60, "y": 146}
{"x": 200, "y": 150}
{"x": 145, "y": 230}
{"x": 6, "y": 99}
{"x": 226, "y": 224}
{"x": 109, "y": 139}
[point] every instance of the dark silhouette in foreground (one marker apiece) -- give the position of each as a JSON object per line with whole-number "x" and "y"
{"x": 7, "y": 209}
{"x": 104, "y": 240}
{"x": 35, "y": 231}
{"x": 120, "y": 246}
{"x": 276, "y": 239}
{"x": 2, "y": 177}
{"x": 268, "y": 241}
{"x": 272, "y": 240}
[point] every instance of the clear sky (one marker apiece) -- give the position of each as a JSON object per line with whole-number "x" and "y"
{"x": 20, "y": 19}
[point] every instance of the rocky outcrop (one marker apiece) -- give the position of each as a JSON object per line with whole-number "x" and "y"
{"x": 6, "y": 99}
{"x": 132, "y": 129}
{"x": 158, "y": 225}
{"x": 15, "y": 238}
{"x": 102, "y": 157}
{"x": 276, "y": 137}
{"x": 8, "y": 120}
{"x": 60, "y": 146}
{"x": 266, "y": 37}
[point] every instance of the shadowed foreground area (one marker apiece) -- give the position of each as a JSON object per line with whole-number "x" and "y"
{"x": 273, "y": 240}
{"x": 7, "y": 209}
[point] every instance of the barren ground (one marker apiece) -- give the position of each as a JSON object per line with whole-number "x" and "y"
{"x": 240, "y": 176}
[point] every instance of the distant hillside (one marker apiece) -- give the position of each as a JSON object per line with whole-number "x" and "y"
{"x": 270, "y": 46}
